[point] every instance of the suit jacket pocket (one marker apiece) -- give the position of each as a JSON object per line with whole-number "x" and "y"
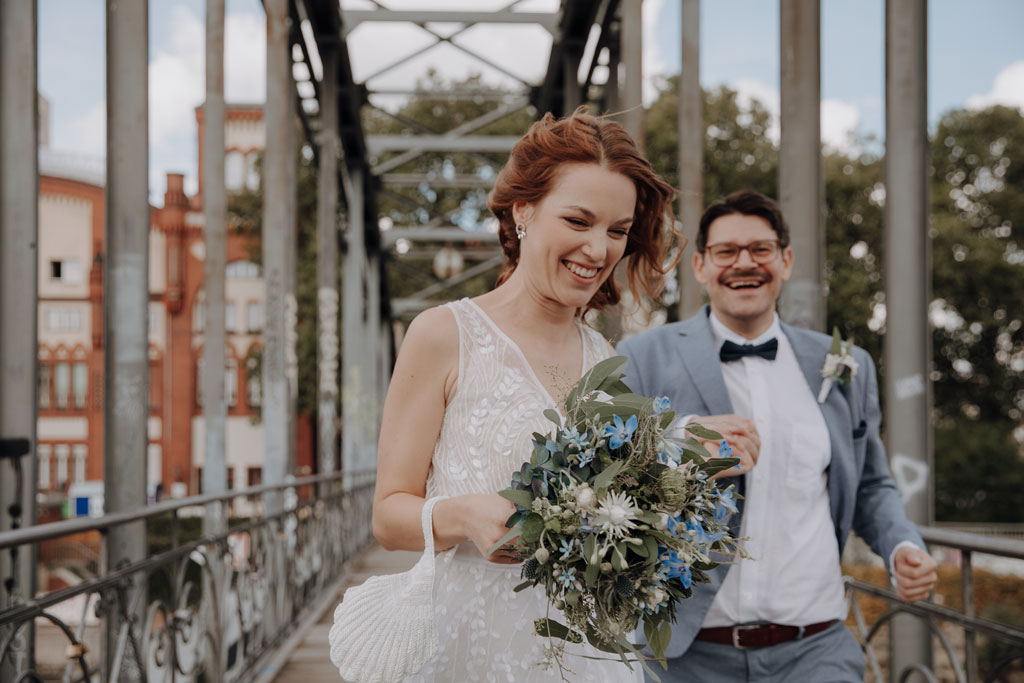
{"x": 861, "y": 430}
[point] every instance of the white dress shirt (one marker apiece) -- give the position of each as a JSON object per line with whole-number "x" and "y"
{"x": 793, "y": 576}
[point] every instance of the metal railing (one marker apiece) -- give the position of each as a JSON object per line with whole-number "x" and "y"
{"x": 208, "y": 608}
{"x": 965, "y": 664}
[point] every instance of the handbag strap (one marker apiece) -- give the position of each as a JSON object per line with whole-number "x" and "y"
{"x": 427, "y": 519}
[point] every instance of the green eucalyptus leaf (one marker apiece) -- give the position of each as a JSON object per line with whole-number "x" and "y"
{"x": 589, "y": 548}
{"x": 607, "y": 475}
{"x": 715, "y": 465}
{"x": 702, "y": 432}
{"x": 552, "y": 414}
{"x": 533, "y": 525}
{"x": 837, "y": 342}
{"x": 549, "y": 628}
{"x": 523, "y": 586}
{"x": 523, "y": 499}
{"x": 590, "y": 576}
{"x": 691, "y": 445}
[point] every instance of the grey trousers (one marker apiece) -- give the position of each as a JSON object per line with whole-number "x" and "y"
{"x": 832, "y": 656}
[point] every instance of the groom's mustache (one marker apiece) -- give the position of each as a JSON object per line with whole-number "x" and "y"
{"x": 745, "y": 274}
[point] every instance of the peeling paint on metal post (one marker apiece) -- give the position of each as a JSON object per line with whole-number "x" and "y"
{"x": 276, "y": 233}
{"x": 215, "y": 231}
{"x": 352, "y": 412}
{"x": 327, "y": 262}
{"x": 691, "y": 155}
{"x": 907, "y": 344}
{"x": 801, "y": 187}
{"x": 126, "y": 310}
{"x": 19, "y": 212}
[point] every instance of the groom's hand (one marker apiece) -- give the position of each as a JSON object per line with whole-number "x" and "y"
{"x": 913, "y": 573}
{"x": 742, "y": 436}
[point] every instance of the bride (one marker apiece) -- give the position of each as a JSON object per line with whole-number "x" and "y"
{"x": 474, "y": 377}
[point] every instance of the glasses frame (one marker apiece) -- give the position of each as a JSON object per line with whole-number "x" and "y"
{"x": 740, "y": 248}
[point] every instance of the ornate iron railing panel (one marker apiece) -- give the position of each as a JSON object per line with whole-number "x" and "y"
{"x": 963, "y": 663}
{"x": 206, "y": 608}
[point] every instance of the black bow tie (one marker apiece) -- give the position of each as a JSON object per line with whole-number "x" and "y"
{"x": 732, "y": 351}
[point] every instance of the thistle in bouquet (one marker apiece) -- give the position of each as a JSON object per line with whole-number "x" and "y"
{"x": 617, "y": 519}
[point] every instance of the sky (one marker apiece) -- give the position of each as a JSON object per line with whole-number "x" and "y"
{"x": 975, "y": 59}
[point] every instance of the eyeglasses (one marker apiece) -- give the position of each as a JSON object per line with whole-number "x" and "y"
{"x": 726, "y": 253}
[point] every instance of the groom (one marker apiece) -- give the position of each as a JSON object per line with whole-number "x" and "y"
{"x": 821, "y": 468}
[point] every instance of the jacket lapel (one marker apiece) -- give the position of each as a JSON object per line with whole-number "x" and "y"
{"x": 810, "y": 354}
{"x": 700, "y": 356}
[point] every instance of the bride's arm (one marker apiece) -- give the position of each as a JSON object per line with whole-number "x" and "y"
{"x": 423, "y": 380}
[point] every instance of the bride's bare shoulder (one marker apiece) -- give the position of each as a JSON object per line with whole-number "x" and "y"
{"x": 434, "y": 330}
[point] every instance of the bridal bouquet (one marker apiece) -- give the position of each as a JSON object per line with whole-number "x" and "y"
{"x": 616, "y": 518}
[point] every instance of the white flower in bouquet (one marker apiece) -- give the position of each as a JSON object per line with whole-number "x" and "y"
{"x": 616, "y": 514}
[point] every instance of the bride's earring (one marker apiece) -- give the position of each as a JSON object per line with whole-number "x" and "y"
{"x": 520, "y": 231}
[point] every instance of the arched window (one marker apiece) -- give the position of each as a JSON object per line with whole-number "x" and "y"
{"x": 242, "y": 270}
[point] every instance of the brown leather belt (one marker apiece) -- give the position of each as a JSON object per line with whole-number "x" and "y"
{"x": 750, "y": 636}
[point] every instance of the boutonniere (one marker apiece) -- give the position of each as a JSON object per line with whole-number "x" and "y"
{"x": 840, "y": 365}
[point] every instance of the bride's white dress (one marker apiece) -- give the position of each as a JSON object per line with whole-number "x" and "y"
{"x": 485, "y": 630}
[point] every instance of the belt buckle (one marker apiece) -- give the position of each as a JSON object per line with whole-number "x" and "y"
{"x": 737, "y": 630}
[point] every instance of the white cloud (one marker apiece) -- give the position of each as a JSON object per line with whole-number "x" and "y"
{"x": 86, "y": 134}
{"x": 1007, "y": 89}
{"x": 839, "y": 122}
{"x": 176, "y": 79}
{"x": 245, "y": 58}
{"x": 654, "y": 67}
{"x": 750, "y": 89}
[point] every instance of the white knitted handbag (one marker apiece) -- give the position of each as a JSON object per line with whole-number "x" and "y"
{"x": 384, "y": 628}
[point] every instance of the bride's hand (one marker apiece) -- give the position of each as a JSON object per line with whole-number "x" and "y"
{"x": 484, "y": 517}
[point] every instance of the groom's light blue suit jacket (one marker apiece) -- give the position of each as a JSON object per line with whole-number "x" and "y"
{"x": 680, "y": 360}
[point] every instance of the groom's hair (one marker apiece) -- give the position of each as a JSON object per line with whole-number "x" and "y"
{"x": 747, "y": 203}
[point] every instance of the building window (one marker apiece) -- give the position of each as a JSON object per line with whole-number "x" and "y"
{"x": 254, "y": 476}
{"x": 229, "y": 317}
{"x": 63, "y": 320}
{"x": 253, "y": 317}
{"x": 79, "y": 451}
{"x": 45, "y": 378}
{"x": 66, "y": 271}
{"x": 231, "y": 382}
{"x": 80, "y": 382}
{"x": 44, "y": 451}
{"x": 62, "y": 450}
{"x": 62, "y": 384}
{"x": 242, "y": 270}
{"x": 234, "y": 170}
{"x": 231, "y": 478}
{"x": 254, "y": 392}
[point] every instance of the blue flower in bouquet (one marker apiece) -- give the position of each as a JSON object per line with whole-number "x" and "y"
{"x": 621, "y": 432}
{"x": 724, "y": 505}
{"x": 686, "y": 578}
{"x": 668, "y": 453}
{"x": 566, "y": 549}
{"x": 662, "y": 404}
{"x": 584, "y": 458}
{"x": 573, "y": 436}
{"x": 724, "y": 449}
{"x": 672, "y": 566}
{"x": 567, "y": 577}
{"x": 697, "y": 529}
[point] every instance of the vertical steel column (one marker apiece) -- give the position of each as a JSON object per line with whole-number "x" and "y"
{"x": 291, "y": 174}
{"x": 907, "y": 345}
{"x": 125, "y": 313}
{"x": 800, "y": 179}
{"x": 352, "y": 334}
{"x": 691, "y": 154}
{"x": 19, "y": 207}
{"x": 276, "y": 234}
{"x": 215, "y": 213}
{"x": 371, "y": 350}
{"x": 630, "y": 103}
{"x": 327, "y": 261}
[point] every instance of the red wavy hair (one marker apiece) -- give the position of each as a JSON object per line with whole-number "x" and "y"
{"x": 534, "y": 164}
